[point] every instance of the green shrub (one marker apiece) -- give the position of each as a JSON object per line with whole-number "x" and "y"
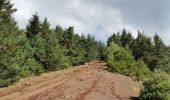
{"x": 156, "y": 88}
{"x": 142, "y": 71}
{"x": 121, "y": 61}
{"x": 4, "y": 83}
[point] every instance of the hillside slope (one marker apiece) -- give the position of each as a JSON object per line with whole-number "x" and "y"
{"x": 85, "y": 82}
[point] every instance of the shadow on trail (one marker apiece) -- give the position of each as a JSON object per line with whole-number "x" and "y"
{"x": 134, "y": 98}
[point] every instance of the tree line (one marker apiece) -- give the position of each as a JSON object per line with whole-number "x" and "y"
{"x": 40, "y": 48}
{"x": 152, "y": 51}
{"x": 143, "y": 58}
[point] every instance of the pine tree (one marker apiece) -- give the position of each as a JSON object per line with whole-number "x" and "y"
{"x": 126, "y": 38}
{"x": 33, "y": 27}
{"x": 6, "y": 11}
{"x": 114, "y": 38}
{"x": 45, "y": 28}
{"x": 70, "y": 33}
{"x": 166, "y": 67}
{"x": 47, "y": 49}
{"x": 141, "y": 47}
{"x": 159, "y": 46}
{"x": 68, "y": 37}
{"x": 91, "y": 48}
{"x": 59, "y": 34}
{"x": 158, "y": 53}
{"x": 16, "y": 54}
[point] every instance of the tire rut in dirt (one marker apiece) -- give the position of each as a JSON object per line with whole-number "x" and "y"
{"x": 27, "y": 91}
{"x": 55, "y": 86}
{"x": 114, "y": 93}
{"x": 82, "y": 95}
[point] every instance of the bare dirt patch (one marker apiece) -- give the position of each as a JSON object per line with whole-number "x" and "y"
{"x": 85, "y": 82}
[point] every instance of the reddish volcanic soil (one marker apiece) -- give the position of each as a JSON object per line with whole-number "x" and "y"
{"x": 86, "y": 82}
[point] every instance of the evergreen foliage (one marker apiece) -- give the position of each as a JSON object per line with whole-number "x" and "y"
{"x": 79, "y": 49}
{"x": 16, "y": 54}
{"x": 153, "y": 53}
{"x": 34, "y": 26}
{"x": 121, "y": 61}
{"x": 157, "y": 87}
{"x": 39, "y": 48}
{"x": 147, "y": 53}
{"x": 6, "y": 11}
{"x": 158, "y": 53}
{"x": 47, "y": 49}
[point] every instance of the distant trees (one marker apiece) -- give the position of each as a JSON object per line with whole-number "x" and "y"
{"x": 142, "y": 47}
{"x": 79, "y": 49}
{"x": 124, "y": 39}
{"x": 133, "y": 56}
{"x": 114, "y": 38}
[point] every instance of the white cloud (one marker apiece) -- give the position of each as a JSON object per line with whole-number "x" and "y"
{"x": 100, "y": 17}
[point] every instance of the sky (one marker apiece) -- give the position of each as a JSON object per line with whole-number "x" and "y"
{"x": 100, "y": 18}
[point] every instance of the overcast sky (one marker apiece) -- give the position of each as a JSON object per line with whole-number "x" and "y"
{"x": 100, "y": 17}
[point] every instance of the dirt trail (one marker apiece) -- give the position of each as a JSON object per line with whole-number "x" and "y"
{"x": 85, "y": 82}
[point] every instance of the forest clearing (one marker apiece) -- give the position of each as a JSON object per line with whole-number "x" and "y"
{"x": 85, "y": 82}
{"x": 80, "y": 57}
